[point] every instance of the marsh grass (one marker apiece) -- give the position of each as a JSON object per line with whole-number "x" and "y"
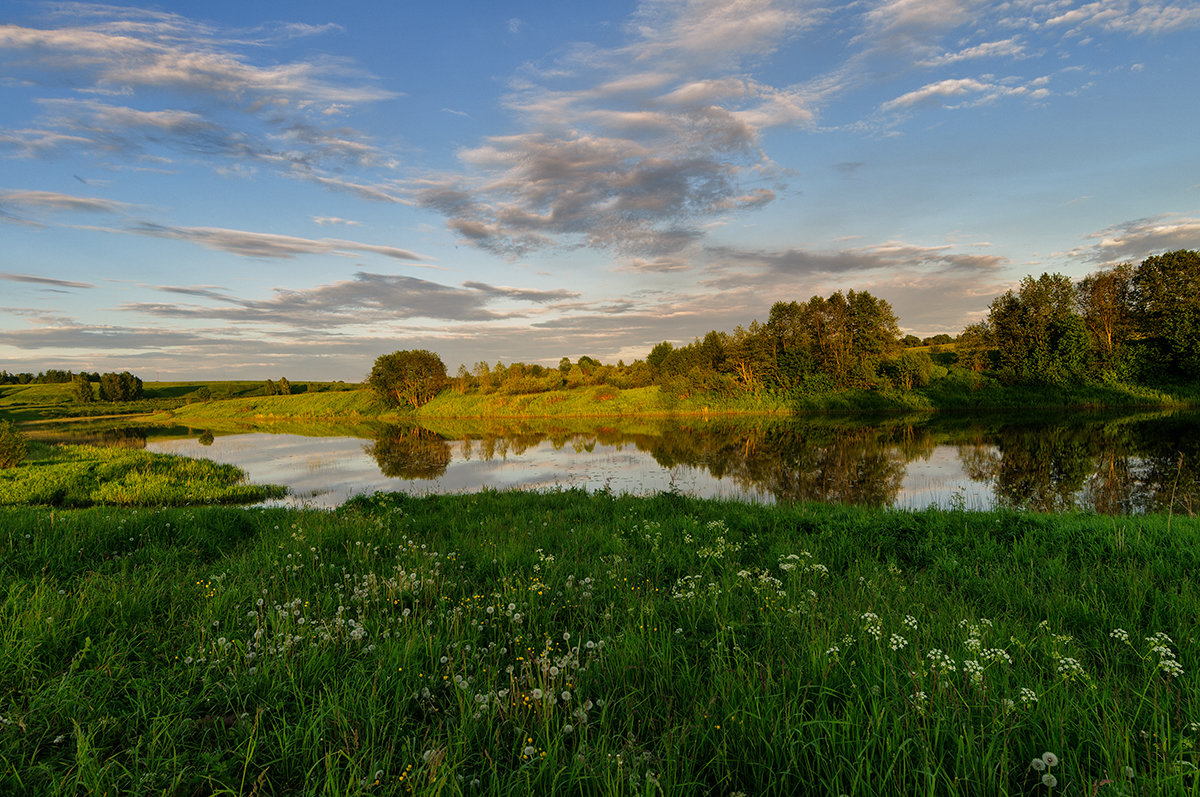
{"x": 510, "y": 643}
{"x": 78, "y": 476}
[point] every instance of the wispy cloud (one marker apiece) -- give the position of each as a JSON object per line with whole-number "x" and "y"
{"x": 368, "y": 298}
{"x": 26, "y": 201}
{"x": 275, "y": 115}
{"x": 962, "y": 92}
{"x": 36, "y": 280}
{"x": 628, "y": 148}
{"x": 266, "y": 245}
{"x": 1125, "y": 16}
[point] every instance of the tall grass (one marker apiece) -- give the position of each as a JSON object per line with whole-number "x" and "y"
{"x": 505, "y": 643}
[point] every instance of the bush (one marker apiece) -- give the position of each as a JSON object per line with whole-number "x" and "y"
{"x": 12, "y": 446}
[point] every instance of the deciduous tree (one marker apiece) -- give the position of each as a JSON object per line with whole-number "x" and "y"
{"x": 408, "y": 377}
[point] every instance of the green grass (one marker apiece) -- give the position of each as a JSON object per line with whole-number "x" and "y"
{"x": 234, "y": 405}
{"x": 77, "y": 476}
{"x": 263, "y": 411}
{"x": 592, "y": 402}
{"x": 510, "y": 643}
{"x": 37, "y": 402}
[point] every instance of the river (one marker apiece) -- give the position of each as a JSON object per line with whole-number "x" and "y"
{"x": 1110, "y": 462}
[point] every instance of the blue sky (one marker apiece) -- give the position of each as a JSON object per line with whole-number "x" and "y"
{"x": 254, "y": 190}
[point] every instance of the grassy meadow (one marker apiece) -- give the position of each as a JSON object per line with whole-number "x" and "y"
{"x": 573, "y": 643}
{"x": 35, "y": 402}
{"x": 78, "y": 476}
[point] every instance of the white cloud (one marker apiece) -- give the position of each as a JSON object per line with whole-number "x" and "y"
{"x": 1138, "y": 239}
{"x": 970, "y": 90}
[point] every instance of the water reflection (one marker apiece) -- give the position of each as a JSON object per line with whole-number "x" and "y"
{"x": 1118, "y": 466}
{"x": 1104, "y": 463}
{"x": 1108, "y": 463}
{"x": 410, "y": 452}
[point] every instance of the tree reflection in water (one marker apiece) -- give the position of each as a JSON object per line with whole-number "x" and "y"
{"x": 1116, "y": 466}
{"x": 1108, "y": 464}
{"x": 410, "y": 452}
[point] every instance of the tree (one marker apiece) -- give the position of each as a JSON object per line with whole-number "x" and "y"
{"x": 1040, "y": 337}
{"x": 1105, "y": 300}
{"x": 81, "y": 389}
{"x": 285, "y": 387}
{"x": 1166, "y": 306}
{"x": 657, "y": 357}
{"x": 120, "y": 387}
{"x": 408, "y": 377}
{"x": 975, "y": 346}
{"x": 909, "y": 369}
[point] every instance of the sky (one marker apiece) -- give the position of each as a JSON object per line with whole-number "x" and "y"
{"x": 250, "y": 190}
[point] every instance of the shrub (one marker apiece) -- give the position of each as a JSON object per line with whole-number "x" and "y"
{"x": 12, "y": 446}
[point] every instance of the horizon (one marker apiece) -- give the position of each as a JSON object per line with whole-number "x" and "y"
{"x": 272, "y": 189}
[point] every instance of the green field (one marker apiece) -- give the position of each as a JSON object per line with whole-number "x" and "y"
{"x": 34, "y": 402}
{"x": 568, "y": 643}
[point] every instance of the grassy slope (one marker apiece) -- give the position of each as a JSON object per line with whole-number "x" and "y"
{"x": 567, "y": 643}
{"x": 347, "y": 405}
{"x": 37, "y": 402}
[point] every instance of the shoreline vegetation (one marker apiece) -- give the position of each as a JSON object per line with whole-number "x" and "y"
{"x": 82, "y": 476}
{"x": 591, "y": 643}
{"x": 351, "y": 405}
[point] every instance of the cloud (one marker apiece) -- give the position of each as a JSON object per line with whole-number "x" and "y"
{"x": 519, "y": 294}
{"x": 1006, "y": 48}
{"x": 74, "y": 337}
{"x": 56, "y": 283}
{"x": 971, "y": 91}
{"x": 11, "y": 200}
{"x": 115, "y": 49}
{"x": 1138, "y": 239}
{"x": 1128, "y": 17}
{"x": 657, "y": 265}
{"x": 324, "y": 220}
{"x": 265, "y": 245}
{"x": 367, "y": 299}
{"x": 912, "y": 29}
{"x": 629, "y": 148}
{"x": 274, "y": 115}
{"x": 732, "y": 265}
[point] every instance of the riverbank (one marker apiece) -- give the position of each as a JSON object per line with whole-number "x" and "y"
{"x": 513, "y": 643}
{"x": 651, "y": 402}
{"x": 79, "y": 476}
{"x": 340, "y": 406}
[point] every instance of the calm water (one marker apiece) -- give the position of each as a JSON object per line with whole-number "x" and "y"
{"x": 1112, "y": 463}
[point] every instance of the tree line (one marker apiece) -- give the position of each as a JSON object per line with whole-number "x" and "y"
{"x": 51, "y": 376}
{"x": 1121, "y": 325}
